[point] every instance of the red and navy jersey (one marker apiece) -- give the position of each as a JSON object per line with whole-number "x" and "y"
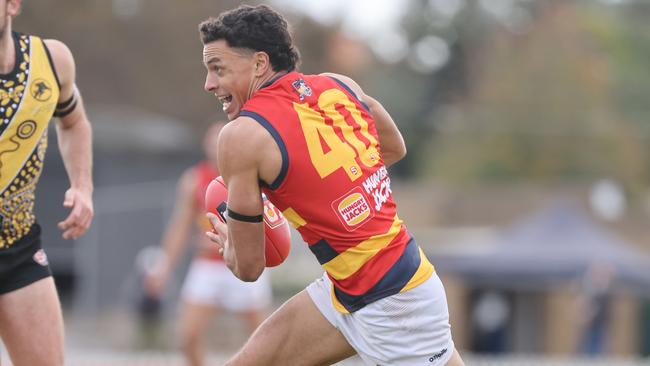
{"x": 204, "y": 173}
{"x": 334, "y": 187}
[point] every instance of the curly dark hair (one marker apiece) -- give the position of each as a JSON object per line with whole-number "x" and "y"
{"x": 258, "y": 28}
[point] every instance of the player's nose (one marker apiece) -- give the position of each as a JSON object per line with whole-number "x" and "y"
{"x": 211, "y": 84}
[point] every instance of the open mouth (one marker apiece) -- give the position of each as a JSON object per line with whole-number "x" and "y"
{"x": 225, "y": 101}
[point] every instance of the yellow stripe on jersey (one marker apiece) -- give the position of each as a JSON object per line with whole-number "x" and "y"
{"x": 425, "y": 270}
{"x": 337, "y": 304}
{"x": 294, "y": 219}
{"x": 350, "y": 261}
{"x": 423, "y": 273}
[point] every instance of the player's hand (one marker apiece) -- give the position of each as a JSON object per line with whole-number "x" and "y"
{"x": 219, "y": 234}
{"x": 81, "y": 215}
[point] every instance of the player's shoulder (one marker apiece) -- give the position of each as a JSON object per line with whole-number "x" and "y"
{"x": 243, "y": 143}
{"x": 61, "y": 58}
{"x": 58, "y": 50}
{"x": 346, "y": 81}
{"x": 242, "y": 132}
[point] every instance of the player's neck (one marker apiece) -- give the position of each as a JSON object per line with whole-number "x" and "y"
{"x": 7, "y": 52}
{"x": 272, "y": 77}
{"x": 264, "y": 80}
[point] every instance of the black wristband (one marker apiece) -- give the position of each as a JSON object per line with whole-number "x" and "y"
{"x": 245, "y": 218}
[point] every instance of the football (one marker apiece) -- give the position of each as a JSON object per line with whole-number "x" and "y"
{"x": 276, "y": 228}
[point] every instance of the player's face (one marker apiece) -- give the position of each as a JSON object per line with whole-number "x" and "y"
{"x": 230, "y": 74}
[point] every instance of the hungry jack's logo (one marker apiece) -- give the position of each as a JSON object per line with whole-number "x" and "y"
{"x": 353, "y": 209}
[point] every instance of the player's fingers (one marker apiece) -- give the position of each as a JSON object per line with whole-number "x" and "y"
{"x": 85, "y": 219}
{"x": 214, "y": 219}
{"x": 69, "y": 221}
{"x": 80, "y": 230}
{"x": 214, "y": 237}
{"x": 88, "y": 220}
{"x": 74, "y": 231}
{"x": 70, "y": 233}
{"x": 68, "y": 199}
{"x": 217, "y": 239}
{"x": 73, "y": 219}
{"x": 74, "y": 226}
{"x": 219, "y": 226}
{"x": 77, "y": 232}
{"x": 222, "y": 228}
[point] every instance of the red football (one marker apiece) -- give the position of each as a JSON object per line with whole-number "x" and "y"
{"x": 276, "y": 227}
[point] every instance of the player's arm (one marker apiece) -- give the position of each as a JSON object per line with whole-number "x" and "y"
{"x": 239, "y": 158}
{"x": 75, "y": 143}
{"x": 391, "y": 141}
{"x": 177, "y": 232}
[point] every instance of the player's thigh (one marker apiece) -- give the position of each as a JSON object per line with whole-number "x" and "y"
{"x": 455, "y": 359}
{"x": 296, "y": 334}
{"x": 31, "y": 324}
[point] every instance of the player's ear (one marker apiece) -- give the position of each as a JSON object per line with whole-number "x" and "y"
{"x": 262, "y": 63}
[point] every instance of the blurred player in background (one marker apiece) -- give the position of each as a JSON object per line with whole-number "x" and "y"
{"x": 37, "y": 81}
{"x": 209, "y": 285}
{"x": 318, "y": 147}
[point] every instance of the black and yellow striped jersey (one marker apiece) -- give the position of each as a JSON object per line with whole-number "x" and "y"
{"x": 28, "y": 98}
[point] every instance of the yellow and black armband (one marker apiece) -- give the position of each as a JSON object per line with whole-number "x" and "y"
{"x": 66, "y": 107}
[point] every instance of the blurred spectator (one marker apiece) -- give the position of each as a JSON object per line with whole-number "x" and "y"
{"x": 209, "y": 285}
{"x": 490, "y": 316}
{"x": 147, "y": 306}
{"x": 594, "y": 307}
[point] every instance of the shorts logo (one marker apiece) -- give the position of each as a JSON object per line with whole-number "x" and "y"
{"x": 437, "y": 355}
{"x": 272, "y": 216}
{"x": 353, "y": 209}
{"x": 40, "y": 257}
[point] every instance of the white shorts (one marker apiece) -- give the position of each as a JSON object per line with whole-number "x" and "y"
{"x": 212, "y": 283}
{"x": 408, "y": 328}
